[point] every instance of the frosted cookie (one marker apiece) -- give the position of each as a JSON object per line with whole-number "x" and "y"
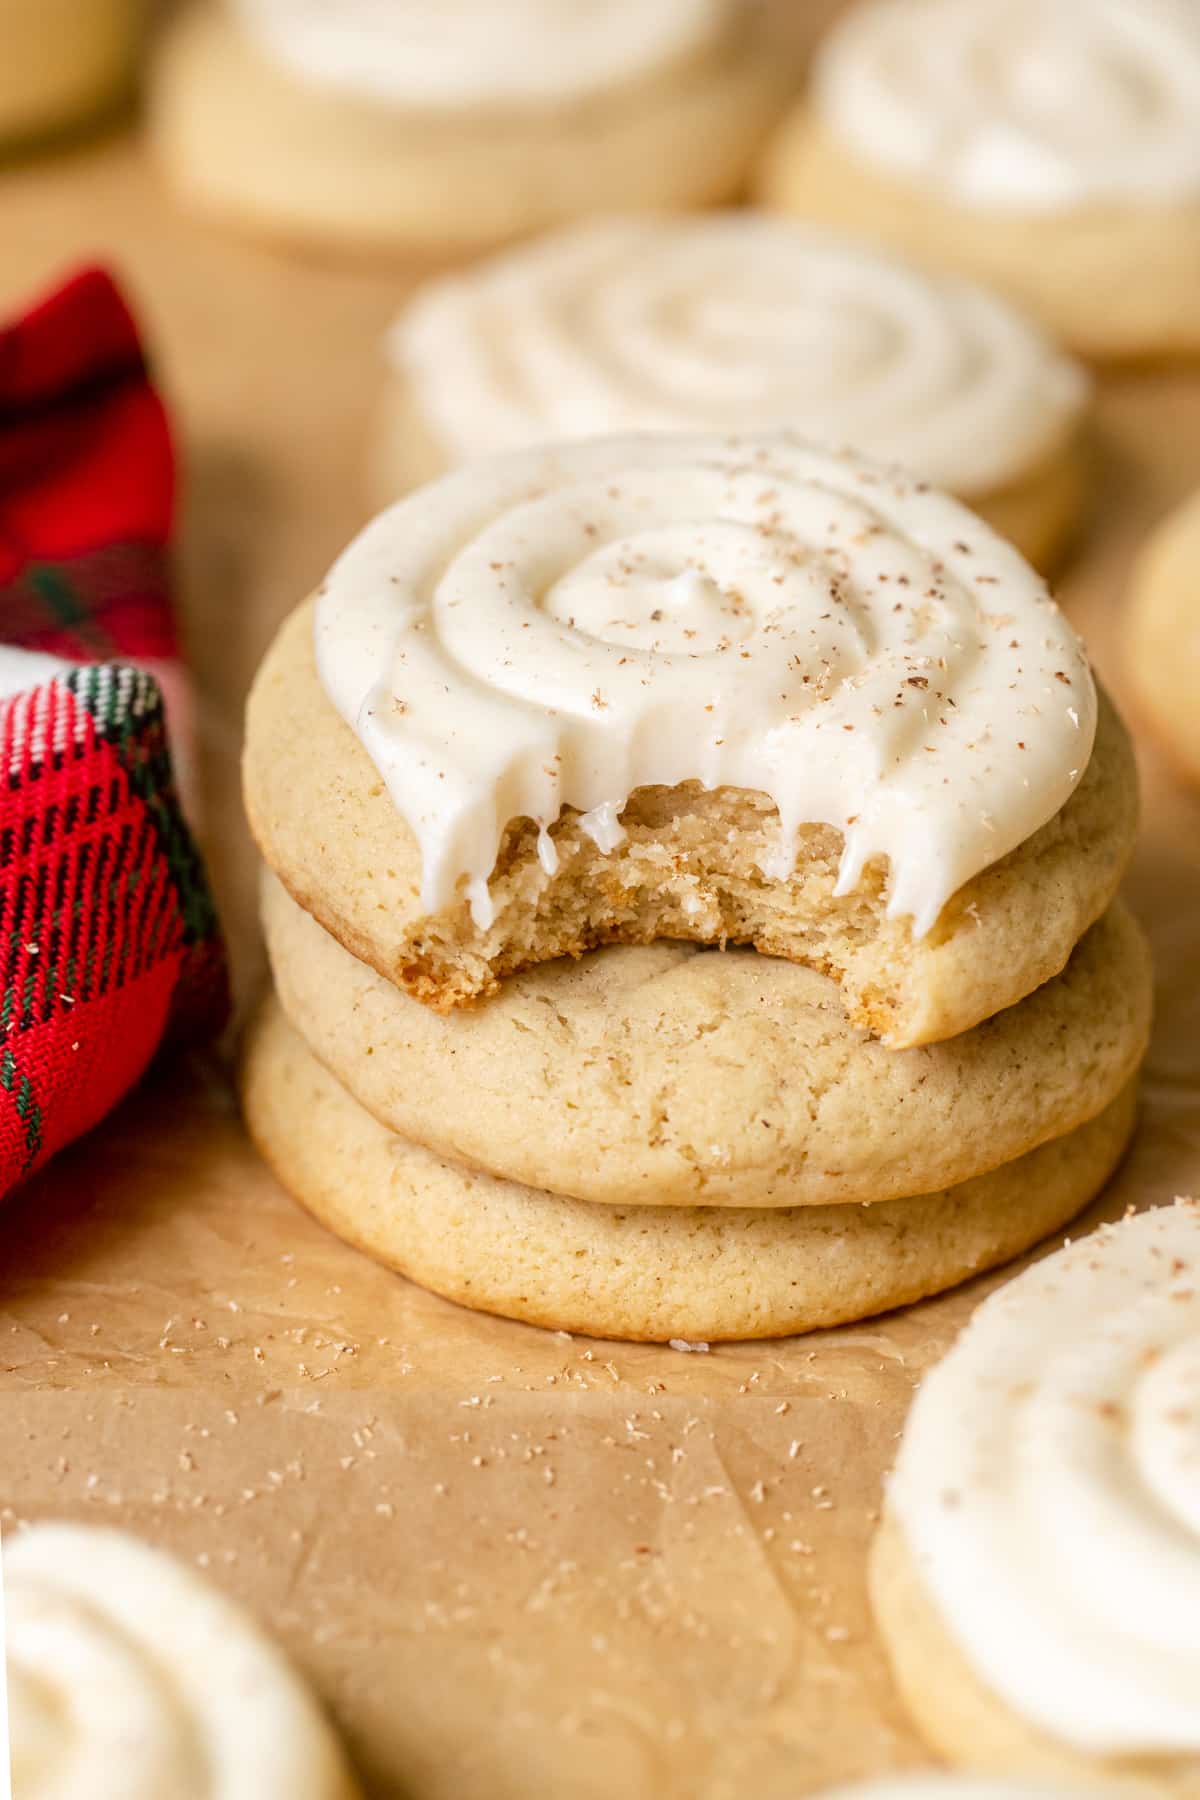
{"x": 1045, "y": 147}
{"x": 63, "y": 63}
{"x": 1037, "y": 1575}
{"x": 129, "y": 1675}
{"x": 726, "y": 690}
{"x": 1162, "y": 636}
{"x": 394, "y": 124}
{"x": 648, "y": 1272}
{"x": 662, "y": 1074}
{"x": 738, "y": 322}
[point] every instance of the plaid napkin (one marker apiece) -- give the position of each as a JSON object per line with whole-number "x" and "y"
{"x": 109, "y": 945}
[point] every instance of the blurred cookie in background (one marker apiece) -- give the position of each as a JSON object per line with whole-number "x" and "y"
{"x": 739, "y": 321}
{"x": 935, "y": 1784}
{"x": 63, "y": 64}
{"x": 1047, "y": 147}
{"x": 380, "y": 125}
{"x": 1163, "y": 636}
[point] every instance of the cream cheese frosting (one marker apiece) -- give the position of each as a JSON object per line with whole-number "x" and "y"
{"x": 561, "y": 626}
{"x": 735, "y": 322}
{"x": 464, "y": 54}
{"x": 1048, "y": 1488}
{"x": 1033, "y": 105}
{"x": 130, "y": 1679}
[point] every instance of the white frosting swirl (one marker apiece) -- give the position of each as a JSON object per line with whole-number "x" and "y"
{"x": 1048, "y": 1486}
{"x": 450, "y": 54}
{"x": 1029, "y": 104}
{"x": 735, "y": 322}
{"x": 560, "y": 627}
{"x": 131, "y": 1679}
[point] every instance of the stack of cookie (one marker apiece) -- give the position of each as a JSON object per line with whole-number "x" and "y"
{"x": 691, "y": 885}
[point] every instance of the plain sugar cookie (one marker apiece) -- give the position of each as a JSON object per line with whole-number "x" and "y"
{"x": 731, "y": 690}
{"x": 644, "y": 1271}
{"x": 737, "y": 321}
{"x": 1037, "y": 1576}
{"x": 438, "y": 129}
{"x": 665, "y": 1075}
{"x": 129, "y": 1674}
{"x": 1162, "y": 635}
{"x": 1045, "y": 148}
{"x": 649, "y": 1273}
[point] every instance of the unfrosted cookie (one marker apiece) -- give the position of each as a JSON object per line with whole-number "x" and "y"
{"x": 441, "y": 127}
{"x": 650, "y": 1272}
{"x": 1044, "y": 147}
{"x": 129, "y": 1675}
{"x": 727, "y": 690}
{"x": 738, "y": 321}
{"x": 1037, "y": 1576}
{"x": 1163, "y": 635}
{"x": 64, "y": 62}
{"x": 664, "y": 1075}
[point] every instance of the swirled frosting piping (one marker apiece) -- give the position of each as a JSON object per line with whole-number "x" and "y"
{"x": 430, "y": 55}
{"x": 736, "y": 322}
{"x": 128, "y": 1676}
{"x": 1048, "y": 1486}
{"x": 1028, "y": 104}
{"x": 559, "y": 627}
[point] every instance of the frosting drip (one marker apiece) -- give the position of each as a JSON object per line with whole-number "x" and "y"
{"x": 1030, "y": 104}
{"x": 1048, "y": 1485}
{"x": 736, "y": 323}
{"x": 559, "y": 627}
{"x": 476, "y": 53}
{"x": 129, "y": 1679}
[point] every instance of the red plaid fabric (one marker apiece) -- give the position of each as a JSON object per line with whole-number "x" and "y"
{"x": 108, "y": 939}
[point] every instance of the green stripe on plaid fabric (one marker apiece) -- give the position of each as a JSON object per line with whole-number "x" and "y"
{"x": 127, "y": 707}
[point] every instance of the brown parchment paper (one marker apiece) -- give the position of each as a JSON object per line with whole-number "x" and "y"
{"x": 515, "y": 1564}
